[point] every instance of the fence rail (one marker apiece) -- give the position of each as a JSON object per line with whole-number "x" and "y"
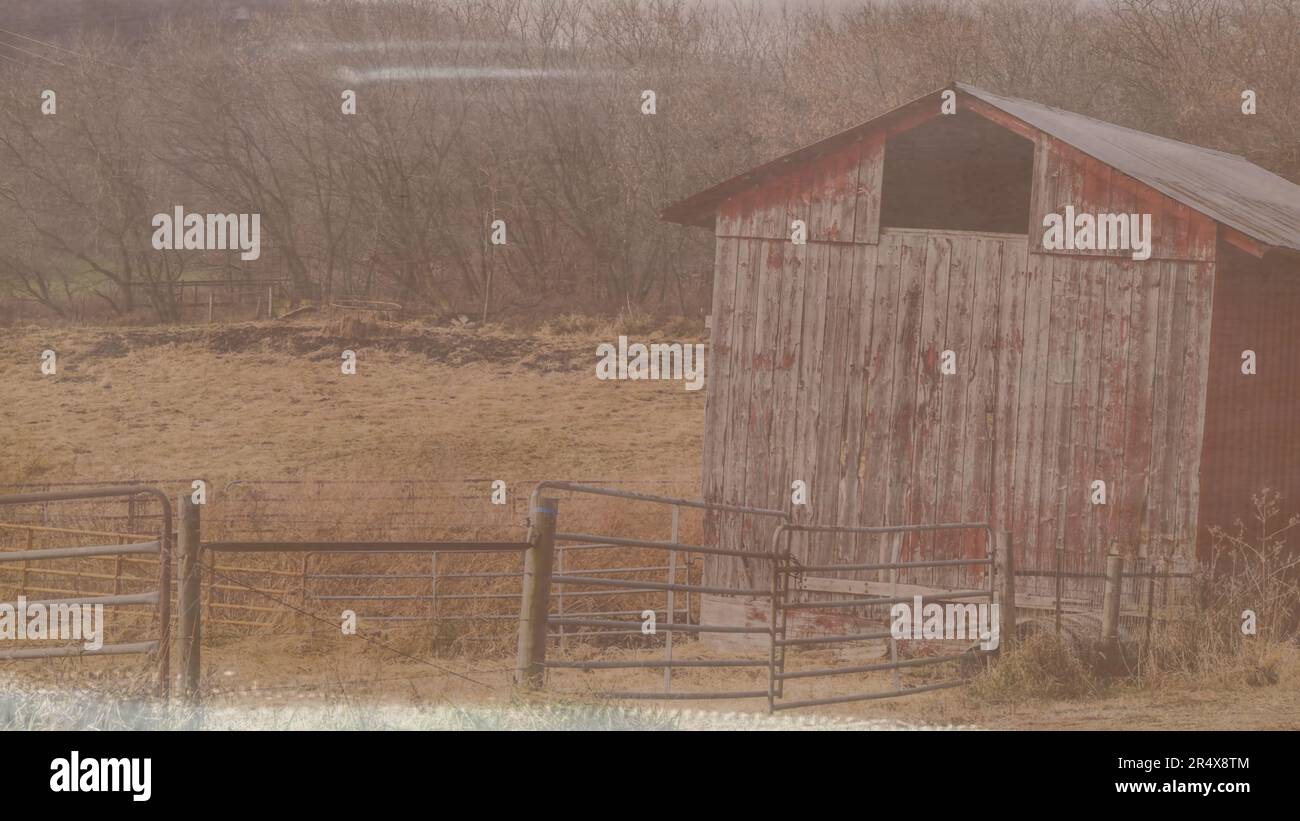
{"x": 159, "y": 599}
{"x": 780, "y": 596}
{"x": 567, "y": 587}
{"x": 532, "y": 659}
{"x": 789, "y": 571}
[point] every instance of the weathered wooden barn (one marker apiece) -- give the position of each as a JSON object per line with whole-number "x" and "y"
{"x": 924, "y": 235}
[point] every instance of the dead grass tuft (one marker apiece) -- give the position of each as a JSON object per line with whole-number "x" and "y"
{"x": 1042, "y": 666}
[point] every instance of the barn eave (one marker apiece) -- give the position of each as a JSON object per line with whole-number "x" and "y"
{"x": 1259, "y": 209}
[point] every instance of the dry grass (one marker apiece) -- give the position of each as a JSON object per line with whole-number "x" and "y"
{"x": 267, "y": 401}
{"x": 126, "y": 406}
{"x": 1043, "y": 666}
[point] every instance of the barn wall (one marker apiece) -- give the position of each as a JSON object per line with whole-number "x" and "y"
{"x": 1063, "y": 176}
{"x": 836, "y": 194}
{"x": 1071, "y": 368}
{"x": 1252, "y": 439}
{"x": 1103, "y": 379}
{"x": 826, "y": 368}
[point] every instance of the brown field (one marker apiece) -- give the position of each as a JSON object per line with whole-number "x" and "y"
{"x": 267, "y": 401}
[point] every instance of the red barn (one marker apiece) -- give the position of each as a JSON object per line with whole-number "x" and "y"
{"x": 1067, "y": 366}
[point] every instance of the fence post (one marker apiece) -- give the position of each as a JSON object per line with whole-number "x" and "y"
{"x": 534, "y": 604}
{"x": 889, "y": 549}
{"x": 1004, "y": 559}
{"x": 1111, "y": 600}
{"x": 190, "y": 596}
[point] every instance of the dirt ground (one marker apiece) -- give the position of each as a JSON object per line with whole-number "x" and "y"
{"x": 290, "y": 673}
{"x": 268, "y": 401}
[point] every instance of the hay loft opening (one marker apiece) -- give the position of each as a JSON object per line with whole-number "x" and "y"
{"x": 958, "y": 172}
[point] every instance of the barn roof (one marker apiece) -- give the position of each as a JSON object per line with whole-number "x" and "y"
{"x": 1225, "y": 187}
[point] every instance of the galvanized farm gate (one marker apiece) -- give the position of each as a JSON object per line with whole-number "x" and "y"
{"x": 540, "y": 576}
{"x": 794, "y": 590}
{"x": 32, "y": 562}
{"x": 783, "y": 596}
{"x": 792, "y": 576}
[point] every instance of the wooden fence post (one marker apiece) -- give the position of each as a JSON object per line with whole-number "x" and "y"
{"x": 534, "y": 605}
{"x": 190, "y": 596}
{"x": 1111, "y": 600}
{"x": 1004, "y": 560}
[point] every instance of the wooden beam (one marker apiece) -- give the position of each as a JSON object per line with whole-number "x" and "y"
{"x": 998, "y": 116}
{"x": 870, "y": 588}
{"x": 1239, "y": 240}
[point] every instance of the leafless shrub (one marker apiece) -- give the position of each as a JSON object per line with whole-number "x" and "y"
{"x": 529, "y": 112}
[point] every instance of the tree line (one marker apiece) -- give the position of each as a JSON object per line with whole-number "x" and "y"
{"x": 534, "y": 113}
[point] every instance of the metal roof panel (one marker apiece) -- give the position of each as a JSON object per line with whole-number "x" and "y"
{"x": 1225, "y": 187}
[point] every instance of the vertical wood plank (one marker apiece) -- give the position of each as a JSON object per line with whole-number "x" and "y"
{"x": 748, "y": 294}
{"x": 1135, "y": 494}
{"x": 900, "y": 462}
{"x": 1038, "y": 193}
{"x": 798, "y": 195}
{"x": 785, "y": 381}
{"x": 1030, "y": 415}
{"x": 871, "y": 165}
{"x": 981, "y": 384}
{"x": 861, "y": 318}
{"x": 727, "y": 222}
{"x": 1159, "y": 532}
{"x": 835, "y": 388}
{"x": 1114, "y": 374}
{"x": 964, "y": 289}
{"x": 924, "y": 484}
{"x": 759, "y": 454}
{"x": 874, "y": 461}
{"x": 717, "y": 390}
{"x": 842, "y": 195}
{"x": 1192, "y": 432}
{"x": 1085, "y": 412}
{"x": 1066, "y": 273}
{"x": 1011, "y": 343}
{"x": 810, "y": 370}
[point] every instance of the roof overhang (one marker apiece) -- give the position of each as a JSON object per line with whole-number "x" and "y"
{"x": 700, "y": 209}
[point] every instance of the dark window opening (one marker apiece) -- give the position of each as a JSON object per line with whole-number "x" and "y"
{"x": 958, "y": 172}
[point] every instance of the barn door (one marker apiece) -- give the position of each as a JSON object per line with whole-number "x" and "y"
{"x": 946, "y": 401}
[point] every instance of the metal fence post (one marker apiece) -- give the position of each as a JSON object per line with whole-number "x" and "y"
{"x": 190, "y": 596}
{"x": 675, "y": 538}
{"x": 534, "y": 604}
{"x": 1004, "y": 559}
{"x": 1111, "y": 599}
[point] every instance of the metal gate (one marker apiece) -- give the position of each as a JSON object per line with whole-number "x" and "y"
{"x": 676, "y": 560}
{"x": 788, "y": 593}
{"x": 886, "y": 590}
{"x": 158, "y": 549}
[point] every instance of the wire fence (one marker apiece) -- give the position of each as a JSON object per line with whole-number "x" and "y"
{"x": 468, "y": 602}
{"x": 618, "y": 563}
